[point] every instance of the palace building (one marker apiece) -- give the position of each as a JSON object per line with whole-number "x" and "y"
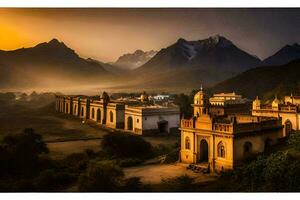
{"x": 288, "y": 110}
{"x": 135, "y": 117}
{"x": 222, "y": 141}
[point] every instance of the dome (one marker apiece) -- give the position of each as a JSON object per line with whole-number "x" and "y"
{"x": 144, "y": 97}
{"x": 199, "y": 97}
{"x": 276, "y": 101}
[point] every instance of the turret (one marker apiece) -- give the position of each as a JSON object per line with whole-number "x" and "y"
{"x": 275, "y": 103}
{"x": 144, "y": 97}
{"x": 256, "y": 104}
{"x": 200, "y": 103}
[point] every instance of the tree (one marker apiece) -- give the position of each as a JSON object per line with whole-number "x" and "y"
{"x": 101, "y": 176}
{"x": 19, "y": 153}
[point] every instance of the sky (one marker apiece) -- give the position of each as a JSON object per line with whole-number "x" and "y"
{"x": 106, "y": 34}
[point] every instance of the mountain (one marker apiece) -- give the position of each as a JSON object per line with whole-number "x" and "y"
{"x": 134, "y": 60}
{"x": 205, "y": 61}
{"x": 284, "y": 55}
{"x": 264, "y": 81}
{"x": 47, "y": 64}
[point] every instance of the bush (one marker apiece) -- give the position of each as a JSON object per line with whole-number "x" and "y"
{"x": 19, "y": 154}
{"x": 294, "y": 140}
{"x": 133, "y": 184}
{"x": 102, "y": 176}
{"x": 126, "y": 146}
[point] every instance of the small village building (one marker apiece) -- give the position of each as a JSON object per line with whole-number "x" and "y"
{"x": 151, "y": 119}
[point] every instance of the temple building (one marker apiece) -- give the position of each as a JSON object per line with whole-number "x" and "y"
{"x": 288, "y": 110}
{"x": 222, "y": 142}
{"x": 135, "y": 117}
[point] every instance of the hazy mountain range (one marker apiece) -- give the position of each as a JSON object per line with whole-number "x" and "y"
{"x": 47, "y": 65}
{"x": 134, "y": 60}
{"x": 182, "y": 65}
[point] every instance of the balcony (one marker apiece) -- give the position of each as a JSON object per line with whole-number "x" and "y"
{"x": 187, "y": 123}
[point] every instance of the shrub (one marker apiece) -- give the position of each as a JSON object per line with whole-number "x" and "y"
{"x": 133, "y": 184}
{"x": 101, "y": 176}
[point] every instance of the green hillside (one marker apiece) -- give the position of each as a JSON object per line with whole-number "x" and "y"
{"x": 264, "y": 82}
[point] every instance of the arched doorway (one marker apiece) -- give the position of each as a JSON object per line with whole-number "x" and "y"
{"x": 287, "y": 127}
{"x": 203, "y": 151}
{"x": 129, "y": 123}
{"x": 93, "y": 113}
{"x": 98, "y": 115}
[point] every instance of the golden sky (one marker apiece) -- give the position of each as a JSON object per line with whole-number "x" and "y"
{"x": 105, "y": 34}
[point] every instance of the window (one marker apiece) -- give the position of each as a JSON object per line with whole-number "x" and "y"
{"x": 137, "y": 120}
{"x": 111, "y": 115}
{"x": 82, "y": 111}
{"x": 145, "y": 118}
{"x": 221, "y": 150}
{"x": 93, "y": 113}
{"x": 187, "y": 143}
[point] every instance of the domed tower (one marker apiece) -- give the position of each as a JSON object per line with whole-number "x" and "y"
{"x": 256, "y": 104}
{"x": 200, "y": 103}
{"x": 144, "y": 97}
{"x": 275, "y": 103}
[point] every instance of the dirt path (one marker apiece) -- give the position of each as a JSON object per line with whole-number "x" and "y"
{"x": 155, "y": 173}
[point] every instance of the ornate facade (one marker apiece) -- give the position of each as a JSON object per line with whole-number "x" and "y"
{"x": 223, "y": 141}
{"x": 288, "y": 110}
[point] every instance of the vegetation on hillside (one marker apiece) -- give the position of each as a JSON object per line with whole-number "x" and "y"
{"x": 264, "y": 82}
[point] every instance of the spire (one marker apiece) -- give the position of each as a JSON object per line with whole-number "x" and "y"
{"x": 256, "y": 98}
{"x": 201, "y": 88}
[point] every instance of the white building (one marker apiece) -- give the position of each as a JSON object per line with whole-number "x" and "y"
{"x": 151, "y": 119}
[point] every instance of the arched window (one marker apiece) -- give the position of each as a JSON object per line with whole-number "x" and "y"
{"x": 287, "y": 127}
{"x": 75, "y": 109}
{"x": 98, "y": 115}
{"x": 247, "y": 148}
{"x": 93, "y": 113}
{"x": 111, "y": 115}
{"x": 187, "y": 143}
{"x": 221, "y": 150}
{"x": 82, "y": 111}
